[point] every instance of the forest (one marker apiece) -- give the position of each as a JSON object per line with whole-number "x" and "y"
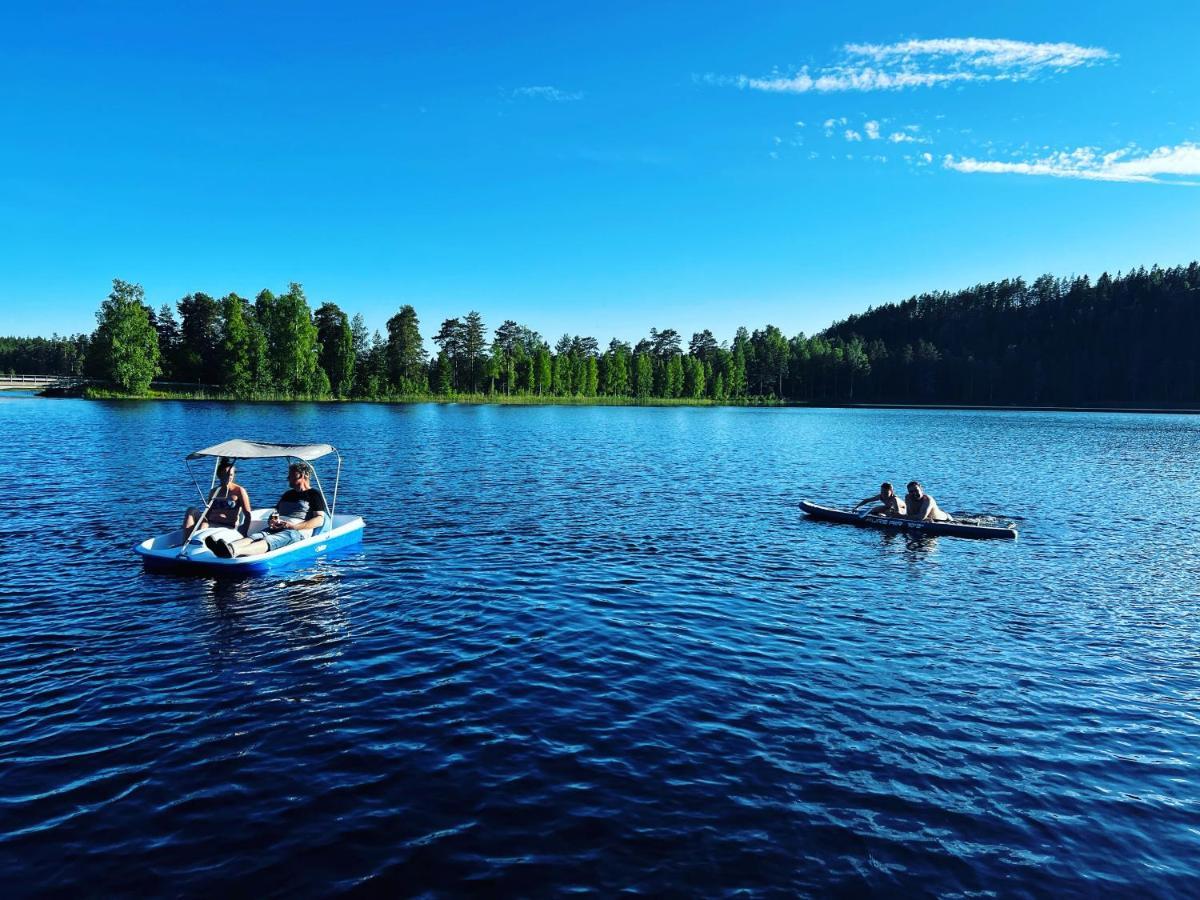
{"x": 1117, "y": 341}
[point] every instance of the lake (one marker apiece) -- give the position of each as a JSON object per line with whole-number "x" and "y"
{"x": 599, "y": 648}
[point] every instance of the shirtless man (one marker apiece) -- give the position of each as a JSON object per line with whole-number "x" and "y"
{"x": 922, "y": 507}
{"x": 890, "y": 504}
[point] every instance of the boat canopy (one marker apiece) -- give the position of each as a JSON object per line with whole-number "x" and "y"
{"x": 239, "y": 449}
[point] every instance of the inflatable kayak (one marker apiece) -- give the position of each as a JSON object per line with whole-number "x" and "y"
{"x": 949, "y": 529}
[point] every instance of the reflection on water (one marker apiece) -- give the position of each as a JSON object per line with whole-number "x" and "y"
{"x": 600, "y": 647}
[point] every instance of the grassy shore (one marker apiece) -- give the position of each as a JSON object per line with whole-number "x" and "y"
{"x": 92, "y": 392}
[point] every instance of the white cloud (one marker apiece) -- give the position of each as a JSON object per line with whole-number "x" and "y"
{"x": 548, "y": 92}
{"x": 872, "y": 130}
{"x": 799, "y": 124}
{"x": 984, "y": 53}
{"x": 852, "y": 135}
{"x": 850, "y": 79}
{"x": 908, "y": 136}
{"x": 1164, "y": 165}
{"x": 925, "y": 63}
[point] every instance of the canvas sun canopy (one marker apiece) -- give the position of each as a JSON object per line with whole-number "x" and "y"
{"x": 239, "y": 449}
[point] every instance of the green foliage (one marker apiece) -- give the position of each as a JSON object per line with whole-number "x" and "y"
{"x": 1130, "y": 343}
{"x": 168, "y": 340}
{"x": 197, "y": 352}
{"x": 54, "y": 355}
{"x": 292, "y": 338}
{"x": 643, "y": 378}
{"x": 125, "y": 346}
{"x": 237, "y": 348}
{"x": 405, "y": 360}
{"x": 443, "y": 374}
{"x": 541, "y": 371}
{"x": 673, "y": 381}
{"x": 336, "y": 338}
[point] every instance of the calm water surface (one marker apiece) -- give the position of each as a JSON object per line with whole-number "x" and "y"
{"x": 599, "y": 648}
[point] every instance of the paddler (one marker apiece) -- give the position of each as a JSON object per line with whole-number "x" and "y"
{"x": 889, "y": 503}
{"x": 922, "y": 507}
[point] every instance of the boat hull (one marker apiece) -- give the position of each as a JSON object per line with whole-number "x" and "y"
{"x": 158, "y": 554}
{"x": 888, "y": 523}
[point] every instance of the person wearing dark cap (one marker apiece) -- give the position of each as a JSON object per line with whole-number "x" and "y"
{"x": 300, "y": 511}
{"x": 228, "y": 503}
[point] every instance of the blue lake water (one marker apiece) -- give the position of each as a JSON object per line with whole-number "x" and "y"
{"x": 600, "y": 648}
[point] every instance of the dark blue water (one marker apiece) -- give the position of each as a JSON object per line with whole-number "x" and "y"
{"x": 599, "y": 648}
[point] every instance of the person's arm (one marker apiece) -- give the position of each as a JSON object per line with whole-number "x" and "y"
{"x": 866, "y": 500}
{"x": 316, "y": 520}
{"x": 316, "y": 515}
{"x": 244, "y": 499}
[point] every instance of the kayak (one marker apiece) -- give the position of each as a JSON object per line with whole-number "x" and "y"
{"x": 949, "y": 529}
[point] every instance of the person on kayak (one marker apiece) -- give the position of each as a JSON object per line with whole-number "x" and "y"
{"x": 922, "y": 507}
{"x": 889, "y": 503}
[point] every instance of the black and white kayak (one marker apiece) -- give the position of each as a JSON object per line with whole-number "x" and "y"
{"x": 890, "y": 523}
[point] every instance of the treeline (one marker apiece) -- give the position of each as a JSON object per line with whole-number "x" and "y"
{"x": 1055, "y": 342}
{"x": 1122, "y": 340}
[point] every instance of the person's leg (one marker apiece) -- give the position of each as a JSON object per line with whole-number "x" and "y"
{"x": 189, "y": 523}
{"x": 248, "y": 547}
{"x": 271, "y": 540}
{"x": 229, "y": 549}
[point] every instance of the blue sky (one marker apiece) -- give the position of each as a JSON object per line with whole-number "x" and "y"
{"x": 588, "y": 168}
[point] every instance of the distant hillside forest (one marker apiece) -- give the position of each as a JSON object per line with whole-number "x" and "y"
{"x": 1127, "y": 340}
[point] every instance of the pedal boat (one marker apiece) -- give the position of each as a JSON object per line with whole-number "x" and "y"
{"x": 180, "y": 553}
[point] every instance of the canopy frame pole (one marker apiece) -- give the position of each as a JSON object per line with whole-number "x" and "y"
{"x": 328, "y": 512}
{"x": 336, "y": 481}
{"x": 207, "y": 506}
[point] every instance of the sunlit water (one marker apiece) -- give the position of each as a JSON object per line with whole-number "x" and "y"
{"x": 600, "y": 648}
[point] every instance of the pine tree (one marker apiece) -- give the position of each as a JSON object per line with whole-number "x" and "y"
{"x": 405, "y": 352}
{"x": 336, "y": 338}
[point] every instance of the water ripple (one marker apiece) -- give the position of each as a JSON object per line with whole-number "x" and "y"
{"x": 597, "y": 649}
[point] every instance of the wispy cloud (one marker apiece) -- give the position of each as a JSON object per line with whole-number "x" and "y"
{"x": 548, "y": 92}
{"x": 1164, "y": 165}
{"x": 983, "y": 53}
{"x": 924, "y": 63}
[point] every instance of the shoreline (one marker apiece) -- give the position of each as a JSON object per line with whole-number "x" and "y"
{"x": 533, "y": 400}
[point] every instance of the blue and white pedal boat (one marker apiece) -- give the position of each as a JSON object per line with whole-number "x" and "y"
{"x": 180, "y": 553}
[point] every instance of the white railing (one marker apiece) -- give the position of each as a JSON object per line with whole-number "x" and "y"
{"x": 41, "y": 380}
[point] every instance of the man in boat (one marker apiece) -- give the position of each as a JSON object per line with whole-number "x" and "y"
{"x": 300, "y": 511}
{"x": 889, "y": 503}
{"x": 922, "y": 507}
{"x": 228, "y": 503}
